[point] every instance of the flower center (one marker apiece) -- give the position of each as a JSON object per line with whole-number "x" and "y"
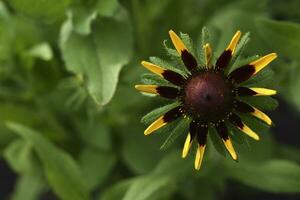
{"x": 208, "y": 97}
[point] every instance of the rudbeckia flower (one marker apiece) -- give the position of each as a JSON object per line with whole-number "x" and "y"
{"x": 208, "y": 95}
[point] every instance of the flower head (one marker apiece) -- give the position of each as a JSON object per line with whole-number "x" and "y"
{"x": 208, "y": 95}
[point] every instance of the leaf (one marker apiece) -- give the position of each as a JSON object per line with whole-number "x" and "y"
{"x": 145, "y": 188}
{"x": 239, "y": 50}
{"x": 83, "y": 15}
{"x": 42, "y": 51}
{"x": 261, "y": 102}
{"x": 96, "y": 166}
{"x": 62, "y": 172}
{"x": 116, "y": 191}
{"x": 41, "y": 8}
{"x": 19, "y": 155}
{"x": 216, "y": 141}
{"x": 153, "y": 79}
{"x": 154, "y": 114}
{"x": 167, "y": 65}
{"x": 181, "y": 129}
{"x": 279, "y": 176}
{"x": 100, "y": 56}
{"x": 286, "y": 35}
{"x": 29, "y": 187}
{"x": 96, "y": 135}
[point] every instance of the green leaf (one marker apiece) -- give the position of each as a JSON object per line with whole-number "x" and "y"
{"x": 205, "y": 38}
{"x": 216, "y": 141}
{"x": 116, "y": 191}
{"x": 147, "y": 187}
{"x": 239, "y": 50}
{"x": 286, "y": 35}
{"x": 279, "y": 176}
{"x": 62, "y": 172}
{"x": 265, "y": 78}
{"x": 153, "y": 79}
{"x": 84, "y": 15}
{"x": 261, "y": 102}
{"x": 140, "y": 153}
{"x": 154, "y": 114}
{"x": 19, "y": 155}
{"x": 41, "y": 8}
{"x": 96, "y": 166}
{"x": 100, "y": 56}
{"x": 96, "y": 135}
{"x": 181, "y": 129}
{"x": 29, "y": 187}
{"x": 167, "y": 65}
{"x": 42, "y": 51}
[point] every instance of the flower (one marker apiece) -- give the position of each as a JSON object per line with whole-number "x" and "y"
{"x": 208, "y": 95}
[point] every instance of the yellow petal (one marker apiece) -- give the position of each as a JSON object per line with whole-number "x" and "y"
{"x": 155, "y": 125}
{"x": 235, "y": 39}
{"x": 249, "y": 132}
{"x": 147, "y": 88}
{"x": 208, "y": 54}
{"x": 262, "y": 62}
{"x": 199, "y": 156}
{"x": 177, "y": 42}
{"x": 263, "y": 91}
{"x": 259, "y": 114}
{"x": 153, "y": 68}
{"x": 187, "y": 145}
{"x": 230, "y": 148}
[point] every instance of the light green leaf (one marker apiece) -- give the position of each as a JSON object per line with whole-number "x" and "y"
{"x": 84, "y": 15}
{"x": 277, "y": 176}
{"x": 100, "y": 56}
{"x": 62, "y": 172}
{"x": 41, "y": 8}
{"x": 42, "y": 51}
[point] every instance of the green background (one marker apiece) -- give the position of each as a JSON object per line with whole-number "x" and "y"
{"x": 70, "y": 117}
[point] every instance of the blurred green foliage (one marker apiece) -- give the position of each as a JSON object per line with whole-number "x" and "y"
{"x": 70, "y": 117}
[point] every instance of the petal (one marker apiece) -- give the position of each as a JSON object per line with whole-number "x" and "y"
{"x": 187, "y": 145}
{"x": 226, "y": 56}
{"x": 188, "y": 59}
{"x": 223, "y": 133}
{"x": 234, "y": 119}
{"x": 164, "y": 91}
{"x": 208, "y": 55}
{"x": 169, "y": 75}
{"x": 177, "y": 42}
{"x": 263, "y": 91}
{"x": 199, "y": 156}
{"x": 245, "y": 108}
{"x": 163, "y": 120}
{"x": 259, "y": 114}
{"x": 234, "y": 41}
{"x": 244, "y": 73}
{"x": 244, "y": 91}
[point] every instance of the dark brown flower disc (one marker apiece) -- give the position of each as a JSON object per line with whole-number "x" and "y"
{"x": 208, "y": 96}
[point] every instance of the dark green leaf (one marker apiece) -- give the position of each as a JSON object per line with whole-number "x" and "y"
{"x": 153, "y": 115}
{"x": 62, "y": 172}
{"x": 279, "y": 176}
{"x": 181, "y": 129}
